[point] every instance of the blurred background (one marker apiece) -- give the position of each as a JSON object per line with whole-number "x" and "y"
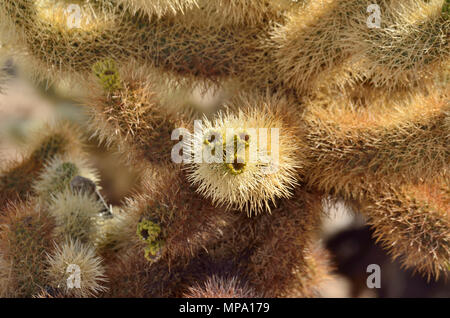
{"x": 25, "y": 107}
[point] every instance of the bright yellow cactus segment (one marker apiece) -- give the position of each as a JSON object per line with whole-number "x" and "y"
{"x": 248, "y": 159}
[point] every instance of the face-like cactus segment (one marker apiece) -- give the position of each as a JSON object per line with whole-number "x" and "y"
{"x": 258, "y": 160}
{"x": 108, "y": 74}
{"x": 149, "y": 232}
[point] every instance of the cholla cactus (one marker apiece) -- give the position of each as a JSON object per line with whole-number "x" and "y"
{"x": 360, "y": 146}
{"x": 220, "y": 287}
{"x": 58, "y": 175}
{"x": 25, "y": 238}
{"x": 399, "y": 212}
{"x": 158, "y": 7}
{"x": 17, "y": 177}
{"x": 126, "y": 103}
{"x": 322, "y": 104}
{"x": 75, "y": 214}
{"x": 241, "y": 172}
{"x": 410, "y": 43}
{"x": 84, "y": 260}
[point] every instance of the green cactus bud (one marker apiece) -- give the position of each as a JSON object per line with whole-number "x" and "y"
{"x": 108, "y": 74}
